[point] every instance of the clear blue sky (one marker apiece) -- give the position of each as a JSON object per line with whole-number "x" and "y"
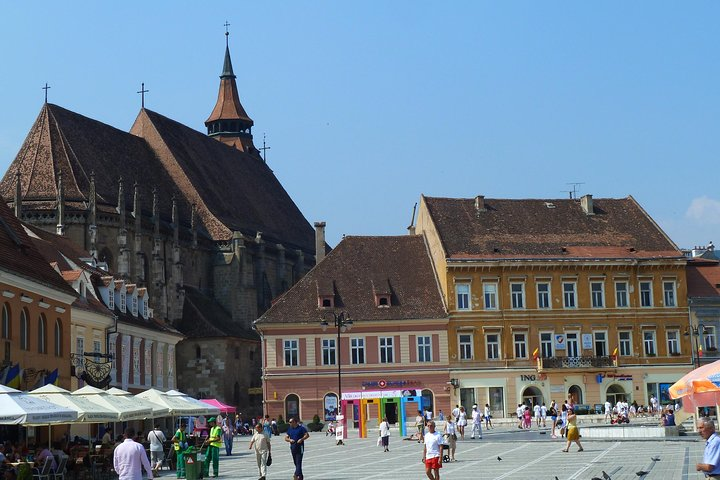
{"x": 368, "y": 105}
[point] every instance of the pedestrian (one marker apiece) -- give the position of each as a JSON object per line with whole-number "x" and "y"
{"x": 669, "y": 418}
{"x": 228, "y": 435}
{"x": 488, "y": 417}
{"x": 267, "y": 426}
{"x": 129, "y": 458}
{"x": 553, "y": 417}
{"x": 180, "y": 444}
{"x": 476, "y": 422}
{"x": 156, "y": 438}
{"x": 261, "y": 442}
{"x": 450, "y": 436}
{"x": 432, "y": 452}
{"x": 536, "y": 413}
{"x": 456, "y": 412}
{"x": 428, "y": 415}
{"x": 519, "y": 412}
{"x": 527, "y": 417}
{"x": 711, "y": 457}
{"x": 563, "y": 419}
{"x": 572, "y": 432}
{"x": 384, "y": 428}
{"x": 608, "y": 410}
{"x": 543, "y": 414}
{"x": 420, "y": 426}
{"x": 296, "y": 436}
{"x": 441, "y": 415}
{"x": 214, "y": 442}
{"x": 461, "y": 422}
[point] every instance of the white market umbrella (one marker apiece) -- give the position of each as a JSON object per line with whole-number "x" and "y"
{"x": 88, "y": 412}
{"x": 125, "y": 408}
{"x": 158, "y": 410}
{"x": 177, "y": 406}
{"x": 202, "y": 407}
{"x": 18, "y": 408}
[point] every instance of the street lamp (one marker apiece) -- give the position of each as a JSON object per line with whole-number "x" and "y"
{"x": 342, "y": 322}
{"x": 696, "y": 330}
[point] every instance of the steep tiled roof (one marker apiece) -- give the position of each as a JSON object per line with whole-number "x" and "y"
{"x": 228, "y": 104}
{"x": 232, "y": 190}
{"x": 703, "y": 278}
{"x": 357, "y": 268}
{"x": 19, "y": 255}
{"x": 619, "y": 228}
{"x": 204, "y": 317}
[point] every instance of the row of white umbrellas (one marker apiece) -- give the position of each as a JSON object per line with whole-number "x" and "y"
{"x": 51, "y": 404}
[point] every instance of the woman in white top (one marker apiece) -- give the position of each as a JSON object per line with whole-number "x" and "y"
{"x": 385, "y": 434}
{"x": 461, "y": 422}
{"x": 450, "y": 434}
{"x": 488, "y": 417}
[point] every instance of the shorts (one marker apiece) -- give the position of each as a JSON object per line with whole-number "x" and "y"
{"x": 433, "y": 463}
{"x": 385, "y": 441}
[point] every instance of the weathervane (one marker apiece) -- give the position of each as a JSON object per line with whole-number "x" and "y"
{"x": 264, "y": 148}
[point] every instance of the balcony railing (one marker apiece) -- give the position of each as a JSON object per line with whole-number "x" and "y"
{"x": 576, "y": 362}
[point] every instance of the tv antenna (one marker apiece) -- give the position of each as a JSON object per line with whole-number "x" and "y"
{"x": 574, "y": 192}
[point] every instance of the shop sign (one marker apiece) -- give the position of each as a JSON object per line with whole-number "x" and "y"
{"x": 392, "y": 384}
{"x": 614, "y": 376}
{"x": 587, "y": 341}
{"x": 527, "y": 378}
{"x": 557, "y": 388}
{"x": 560, "y": 341}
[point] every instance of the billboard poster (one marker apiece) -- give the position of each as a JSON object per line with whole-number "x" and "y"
{"x": 331, "y": 407}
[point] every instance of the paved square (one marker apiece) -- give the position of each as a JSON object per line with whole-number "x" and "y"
{"x": 525, "y": 455}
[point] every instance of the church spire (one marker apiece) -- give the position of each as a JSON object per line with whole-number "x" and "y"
{"x": 228, "y": 122}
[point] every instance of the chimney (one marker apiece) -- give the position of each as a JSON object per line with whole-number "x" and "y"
{"x": 587, "y": 204}
{"x": 480, "y": 204}
{"x": 319, "y": 242}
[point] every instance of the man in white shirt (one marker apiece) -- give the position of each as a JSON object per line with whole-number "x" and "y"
{"x": 456, "y": 412}
{"x": 536, "y": 414}
{"x": 156, "y": 438}
{"x": 432, "y": 452}
{"x": 608, "y": 410}
{"x": 130, "y": 458}
{"x": 477, "y": 422}
{"x": 543, "y": 413}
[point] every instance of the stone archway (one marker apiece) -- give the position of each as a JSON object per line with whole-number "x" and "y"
{"x": 532, "y": 395}
{"x": 616, "y": 393}
{"x": 575, "y": 395}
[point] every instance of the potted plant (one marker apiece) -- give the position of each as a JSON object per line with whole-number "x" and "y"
{"x": 315, "y": 425}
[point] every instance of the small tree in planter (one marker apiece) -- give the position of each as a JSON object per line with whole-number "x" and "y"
{"x": 315, "y": 425}
{"x": 282, "y": 426}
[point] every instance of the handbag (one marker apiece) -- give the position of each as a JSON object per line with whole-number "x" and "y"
{"x": 269, "y": 460}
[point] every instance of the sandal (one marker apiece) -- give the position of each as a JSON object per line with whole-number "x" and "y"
{"x": 565, "y": 451}
{"x": 580, "y": 449}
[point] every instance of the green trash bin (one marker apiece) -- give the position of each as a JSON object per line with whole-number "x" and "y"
{"x": 193, "y": 468}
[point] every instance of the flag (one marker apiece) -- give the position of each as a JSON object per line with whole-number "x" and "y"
{"x": 614, "y": 355}
{"x": 52, "y": 378}
{"x": 700, "y": 352}
{"x": 13, "y": 377}
{"x": 535, "y": 354}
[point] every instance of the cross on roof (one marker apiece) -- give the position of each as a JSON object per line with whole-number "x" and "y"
{"x": 227, "y": 33}
{"x": 46, "y": 87}
{"x": 142, "y": 93}
{"x": 264, "y": 155}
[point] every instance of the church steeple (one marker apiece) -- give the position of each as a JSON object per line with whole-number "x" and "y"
{"x": 228, "y": 122}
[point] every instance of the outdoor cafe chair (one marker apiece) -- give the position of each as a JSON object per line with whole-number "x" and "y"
{"x": 44, "y": 473}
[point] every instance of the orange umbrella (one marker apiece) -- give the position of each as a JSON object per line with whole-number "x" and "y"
{"x": 696, "y": 389}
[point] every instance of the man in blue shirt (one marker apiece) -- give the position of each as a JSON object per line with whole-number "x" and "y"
{"x": 711, "y": 458}
{"x": 296, "y": 436}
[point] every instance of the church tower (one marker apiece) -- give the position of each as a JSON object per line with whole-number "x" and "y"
{"x": 228, "y": 122}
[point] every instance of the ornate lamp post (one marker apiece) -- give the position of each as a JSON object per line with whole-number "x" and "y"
{"x": 695, "y": 331}
{"x": 342, "y": 322}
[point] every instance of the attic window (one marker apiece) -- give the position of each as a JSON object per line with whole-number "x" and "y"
{"x": 382, "y": 300}
{"x": 549, "y": 205}
{"x": 111, "y": 299}
{"x": 496, "y": 250}
{"x": 564, "y": 250}
{"x": 631, "y": 249}
{"x": 326, "y": 301}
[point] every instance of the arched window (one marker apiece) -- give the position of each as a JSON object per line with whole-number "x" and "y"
{"x": 42, "y": 334}
{"x": 24, "y": 331}
{"x": 575, "y": 394}
{"x": 292, "y": 406}
{"x": 5, "y": 329}
{"x": 58, "y": 338}
{"x": 427, "y": 396}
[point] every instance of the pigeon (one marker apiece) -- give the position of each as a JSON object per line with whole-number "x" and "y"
{"x": 655, "y": 459}
{"x": 499, "y": 459}
{"x": 641, "y": 473}
{"x": 605, "y": 475}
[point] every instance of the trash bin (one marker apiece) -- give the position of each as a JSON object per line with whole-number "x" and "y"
{"x": 192, "y": 467}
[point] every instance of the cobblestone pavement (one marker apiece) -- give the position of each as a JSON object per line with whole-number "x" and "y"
{"x": 525, "y": 455}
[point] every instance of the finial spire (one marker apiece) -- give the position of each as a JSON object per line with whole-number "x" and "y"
{"x": 142, "y": 93}
{"x": 227, "y": 33}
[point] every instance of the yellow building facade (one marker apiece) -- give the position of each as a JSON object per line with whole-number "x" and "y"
{"x": 550, "y": 302}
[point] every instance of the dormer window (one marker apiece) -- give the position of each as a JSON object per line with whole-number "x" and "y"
{"x": 134, "y": 305}
{"x": 111, "y": 299}
{"x": 145, "y": 309}
{"x": 326, "y": 301}
{"x": 382, "y": 300}
{"x": 122, "y": 301}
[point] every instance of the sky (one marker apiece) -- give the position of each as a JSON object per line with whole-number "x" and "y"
{"x": 368, "y": 105}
